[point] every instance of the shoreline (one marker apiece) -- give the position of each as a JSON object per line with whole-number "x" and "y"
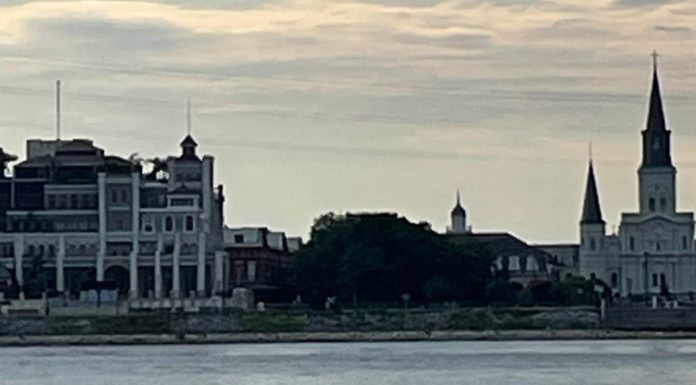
{"x": 345, "y": 337}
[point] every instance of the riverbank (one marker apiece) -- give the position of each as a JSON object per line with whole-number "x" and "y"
{"x": 396, "y": 336}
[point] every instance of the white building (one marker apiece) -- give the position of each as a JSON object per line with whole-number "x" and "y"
{"x": 653, "y": 250}
{"x": 85, "y": 217}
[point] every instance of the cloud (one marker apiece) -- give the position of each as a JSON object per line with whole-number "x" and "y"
{"x": 644, "y": 3}
{"x": 679, "y": 30}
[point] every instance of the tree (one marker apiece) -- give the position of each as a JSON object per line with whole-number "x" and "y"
{"x": 378, "y": 257}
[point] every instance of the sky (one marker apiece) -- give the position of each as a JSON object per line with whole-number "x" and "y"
{"x": 310, "y": 106}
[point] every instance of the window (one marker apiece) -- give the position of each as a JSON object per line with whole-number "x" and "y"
{"x": 239, "y": 238}
{"x": 189, "y": 224}
{"x": 51, "y": 201}
{"x": 82, "y": 249}
{"x": 685, "y": 243}
{"x": 593, "y": 244}
{"x": 74, "y": 201}
{"x": 119, "y": 225}
{"x": 651, "y": 204}
{"x": 30, "y": 250}
{"x": 124, "y": 196}
{"x": 42, "y": 250}
{"x": 614, "y": 280}
{"x": 657, "y": 246}
{"x": 654, "y": 280}
{"x": 148, "y": 224}
{"x": 663, "y": 280}
{"x": 663, "y": 204}
{"x": 168, "y": 224}
{"x": 51, "y": 250}
{"x": 114, "y": 196}
{"x": 632, "y": 243}
{"x": 188, "y": 202}
{"x": 62, "y": 201}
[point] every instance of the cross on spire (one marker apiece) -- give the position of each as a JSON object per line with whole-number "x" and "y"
{"x": 654, "y": 57}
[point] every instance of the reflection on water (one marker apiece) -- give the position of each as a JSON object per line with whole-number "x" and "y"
{"x": 520, "y": 363}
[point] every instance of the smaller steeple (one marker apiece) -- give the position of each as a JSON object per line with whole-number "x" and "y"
{"x": 591, "y": 211}
{"x": 188, "y": 145}
{"x": 458, "y": 218}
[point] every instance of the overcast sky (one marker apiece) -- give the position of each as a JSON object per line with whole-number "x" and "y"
{"x": 315, "y": 105}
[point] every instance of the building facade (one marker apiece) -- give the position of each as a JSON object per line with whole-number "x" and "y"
{"x": 522, "y": 263}
{"x": 262, "y": 261}
{"x": 653, "y": 250}
{"x": 70, "y": 214}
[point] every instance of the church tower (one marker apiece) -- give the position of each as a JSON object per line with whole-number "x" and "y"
{"x": 458, "y": 218}
{"x": 592, "y": 225}
{"x": 656, "y": 175}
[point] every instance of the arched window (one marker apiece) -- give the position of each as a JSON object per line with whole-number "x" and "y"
{"x": 189, "y": 223}
{"x": 663, "y": 204}
{"x": 82, "y": 249}
{"x": 168, "y": 224}
{"x": 30, "y": 250}
{"x": 654, "y": 279}
{"x": 663, "y": 280}
{"x": 614, "y": 279}
{"x": 42, "y": 250}
{"x": 651, "y": 204}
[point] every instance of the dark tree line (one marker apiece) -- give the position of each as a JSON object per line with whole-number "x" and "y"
{"x": 377, "y": 258}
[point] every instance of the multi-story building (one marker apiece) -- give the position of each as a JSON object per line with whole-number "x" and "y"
{"x": 78, "y": 215}
{"x": 262, "y": 260}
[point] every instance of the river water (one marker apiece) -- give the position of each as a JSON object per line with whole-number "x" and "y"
{"x": 670, "y": 362}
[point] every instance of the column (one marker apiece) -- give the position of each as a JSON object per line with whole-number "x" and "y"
{"x": 101, "y": 183}
{"x": 219, "y": 272}
{"x": 206, "y": 191}
{"x": 158, "y": 267}
{"x": 135, "y": 231}
{"x": 60, "y": 265}
{"x": 176, "y": 286}
{"x": 19, "y": 268}
{"x": 200, "y": 266}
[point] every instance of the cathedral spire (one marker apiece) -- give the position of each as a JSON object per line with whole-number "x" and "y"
{"x": 656, "y": 116}
{"x": 656, "y": 143}
{"x": 591, "y": 212}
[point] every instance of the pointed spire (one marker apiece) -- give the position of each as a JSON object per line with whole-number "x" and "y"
{"x": 458, "y": 209}
{"x": 591, "y": 212}
{"x": 656, "y": 116}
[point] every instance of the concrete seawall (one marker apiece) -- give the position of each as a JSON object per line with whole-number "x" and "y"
{"x": 395, "y": 336}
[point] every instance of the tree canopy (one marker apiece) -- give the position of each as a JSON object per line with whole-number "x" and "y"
{"x": 378, "y": 257}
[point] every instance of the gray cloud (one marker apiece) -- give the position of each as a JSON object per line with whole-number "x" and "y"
{"x": 679, "y": 30}
{"x": 643, "y": 3}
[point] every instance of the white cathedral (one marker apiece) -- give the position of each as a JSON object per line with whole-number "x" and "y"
{"x": 653, "y": 251}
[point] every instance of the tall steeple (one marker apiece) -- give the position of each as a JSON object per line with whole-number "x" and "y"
{"x": 656, "y": 143}
{"x": 591, "y": 212}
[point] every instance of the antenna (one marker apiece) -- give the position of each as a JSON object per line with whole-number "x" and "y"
{"x": 654, "y": 57}
{"x": 589, "y": 150}
{"x": 58, "y": 110}
{"x": 188, "y": 116}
